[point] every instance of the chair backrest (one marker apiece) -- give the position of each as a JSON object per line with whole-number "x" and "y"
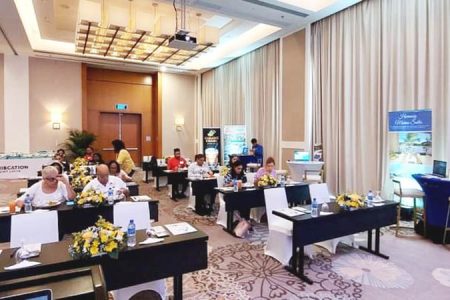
{"x": 250, "y": 177}
{"x": 37, "y": 227}
{"x": 320, "y": 192}
{"x": 275, "y": 198}
{"x": 220, "y": 181}
{"x": 138, "y": 211}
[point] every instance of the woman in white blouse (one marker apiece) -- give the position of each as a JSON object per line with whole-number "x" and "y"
{"x": 52, "y": 188}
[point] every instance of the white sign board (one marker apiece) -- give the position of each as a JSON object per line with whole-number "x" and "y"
{"x": 22, "y": 168}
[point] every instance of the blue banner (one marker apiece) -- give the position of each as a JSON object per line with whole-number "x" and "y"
{"x": 410, "y": 120}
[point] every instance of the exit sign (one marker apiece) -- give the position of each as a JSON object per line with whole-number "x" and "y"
{"x": 121, "y": 106}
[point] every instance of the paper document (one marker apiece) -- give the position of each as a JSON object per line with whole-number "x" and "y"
{"x": 151, "y": 241}
{"x": 159, "y": 231}
{"x": 141, "y": 198}
{"x": 23, "y": 264}
{"x": 180, "y": 228}
{"x": 290, "y": 212}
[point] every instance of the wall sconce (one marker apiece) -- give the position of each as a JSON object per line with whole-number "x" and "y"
{"x": 179, "y": 123}
{"x": 56, "y": 120}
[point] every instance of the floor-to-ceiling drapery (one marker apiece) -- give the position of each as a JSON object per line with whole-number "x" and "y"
{"x": 375, "y": 57}
{"x": 245, "y": 91}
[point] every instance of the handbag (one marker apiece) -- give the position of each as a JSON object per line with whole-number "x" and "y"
{"x": 242, "y": 228}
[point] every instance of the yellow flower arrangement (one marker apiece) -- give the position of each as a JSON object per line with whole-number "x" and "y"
{"x": 223, "y": 170}
{"x": 92, "y": 197}
{"x": 81, "y": 181}
{"x": 104, "y": 237}
{"x": 266, "y": 180}
{"x": 350, "y": 200}
{"x": 79, "y": 162}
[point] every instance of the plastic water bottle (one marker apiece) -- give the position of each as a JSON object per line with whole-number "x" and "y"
{"x": 235, "y": 185}
{"x": 282, "y": 181}
{"x": 110, "y": 196}
{"x": 370, "y": 199}
{"x": 27, "y": 204}
{"x": 314, "y": 208}
{"x": 131, "y": 232}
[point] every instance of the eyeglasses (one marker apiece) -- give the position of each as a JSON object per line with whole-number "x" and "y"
{"x": 51, "y": 179}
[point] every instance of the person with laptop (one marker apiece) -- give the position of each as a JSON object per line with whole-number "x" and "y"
{"x": 257, "y": 151}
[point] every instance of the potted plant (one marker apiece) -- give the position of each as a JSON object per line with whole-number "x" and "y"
{"x": 77, "y": 142}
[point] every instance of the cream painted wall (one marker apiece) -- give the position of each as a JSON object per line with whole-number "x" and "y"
{"x": 16, "y": 100}
{"x": 55, "y": 87}
{"x": 2, "y": 112}
{"x": 178, "y": 101}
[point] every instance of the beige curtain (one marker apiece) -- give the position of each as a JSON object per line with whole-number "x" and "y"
{"x": 375, "y": 57}
{"x": 245, "y": 91}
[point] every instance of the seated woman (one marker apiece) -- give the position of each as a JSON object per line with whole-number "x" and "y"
{"x": 59, "y": 166}
{"x": 97, "y": 159}
{"x": 89, "y": 154}
{"x": 52, "y": 187}
{"x": 233, "y": 158}
{"x": 268, "y": 169}
{"x": 236, "y": 172}
{"x": 114, "y": 170}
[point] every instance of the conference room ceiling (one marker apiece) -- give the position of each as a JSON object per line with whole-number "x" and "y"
{"x": 230, "y": 28}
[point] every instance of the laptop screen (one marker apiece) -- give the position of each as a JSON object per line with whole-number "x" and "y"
{"x": 440, "y": 168}
{"x": 301, "y": 155}
{"x": 37, "y": 295}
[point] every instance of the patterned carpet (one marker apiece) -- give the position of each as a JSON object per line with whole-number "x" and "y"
{"x": 238, "y": 268}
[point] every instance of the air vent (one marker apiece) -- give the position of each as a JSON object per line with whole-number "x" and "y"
{"x": 276, "y": 7}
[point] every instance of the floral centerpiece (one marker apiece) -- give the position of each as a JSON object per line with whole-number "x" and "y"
{"x": 81, "y": 181}
{"x": 95, "y": 198}
{"x": 102, "y": 238}
{"x": 266, "y": 180}
{"x": 79, "y": 162}
{"x": 350, "y": 201}
{"x": 223, "y": 171}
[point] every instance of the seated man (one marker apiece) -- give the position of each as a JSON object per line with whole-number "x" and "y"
{"x": 199, "y": 168}
{"x": 175, "y": 163}
{"x": 104, "y": 182}
{"x": 52, "y": 188}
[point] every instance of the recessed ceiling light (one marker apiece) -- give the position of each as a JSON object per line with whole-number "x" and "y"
{"x": 163, "y": 69}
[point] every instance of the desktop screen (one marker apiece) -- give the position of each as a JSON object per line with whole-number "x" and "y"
{"x": 301, "y": 155}
{"x": 440, "y": 168}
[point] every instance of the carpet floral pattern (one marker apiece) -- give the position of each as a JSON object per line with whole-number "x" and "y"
{"x": 371, "y": 270}
{"x": 183, "y": 213}
{"x": 242, "y": 271}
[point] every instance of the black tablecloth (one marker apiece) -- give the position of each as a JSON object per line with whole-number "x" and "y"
{"x": 73, "y": 219}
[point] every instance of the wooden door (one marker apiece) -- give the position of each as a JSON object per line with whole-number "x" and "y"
{"x": 107, "y": 132}
{"x": 131, "y": 135}
{"x": 126, "y": 127}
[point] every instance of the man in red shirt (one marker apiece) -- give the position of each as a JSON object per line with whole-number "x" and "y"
{"x": 179, "y": 184}
{"x": 176, "y": 161}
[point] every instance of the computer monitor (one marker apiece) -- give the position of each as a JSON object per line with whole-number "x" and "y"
{"x": 301, "y": 155}
{"x": 440, "y": 168}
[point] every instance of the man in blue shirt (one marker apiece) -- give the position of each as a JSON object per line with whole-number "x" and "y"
{"x": 257, "y": 151}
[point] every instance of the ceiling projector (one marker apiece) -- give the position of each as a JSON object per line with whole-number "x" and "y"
{"x": 182, "y": 41}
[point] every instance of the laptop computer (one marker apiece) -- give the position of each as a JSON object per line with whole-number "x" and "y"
{"x": 439, "y": 168}
{"x": 36, "y": 295}
{"x": 301, "y": 155}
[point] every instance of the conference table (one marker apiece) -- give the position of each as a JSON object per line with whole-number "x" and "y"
{"x": 308, "y": 230}
{"x": 247, "y": 198}
{"x": 173, "y": 257}
{"x": 202, "y": 188}
{"x": 176, "y": 178}
{"x": 437, "y": 192}
{"x": 73, "y": 219}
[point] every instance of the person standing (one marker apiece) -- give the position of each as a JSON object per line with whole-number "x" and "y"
{"x": 123, "y": 157}
{"x": 257, "y": 151}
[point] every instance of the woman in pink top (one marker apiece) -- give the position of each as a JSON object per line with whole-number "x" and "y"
{"x": 269, "y": 169}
